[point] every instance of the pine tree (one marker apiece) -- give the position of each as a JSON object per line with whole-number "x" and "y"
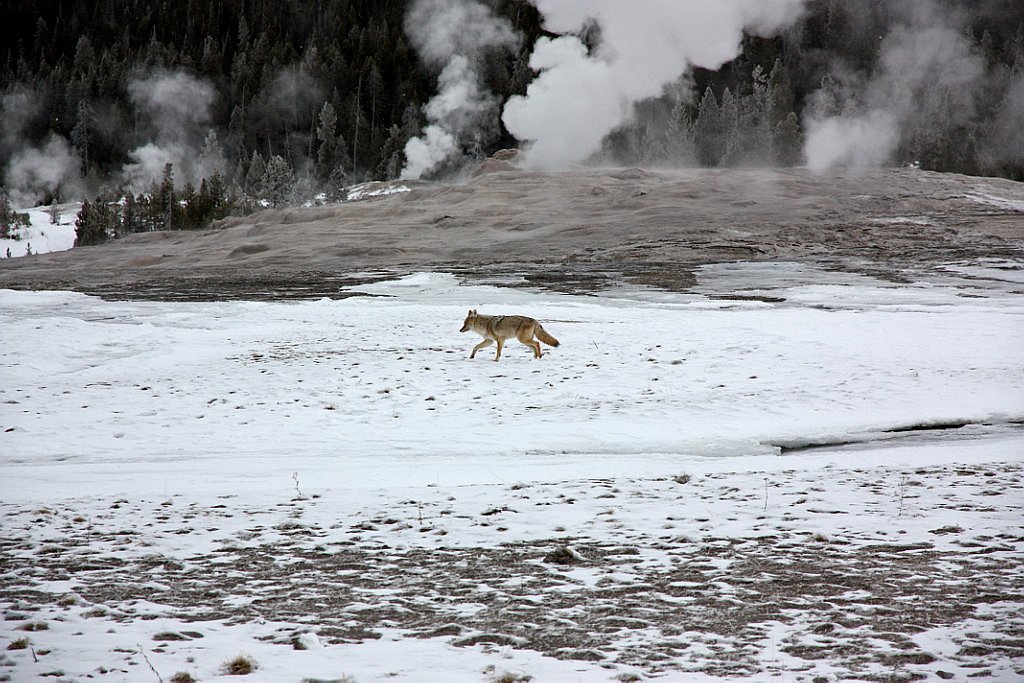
{"x": 129, "y": 216}
{"x": 85, "y": 57}
{"x": 82, "y": 134}
{"x": 787, "y": 141}
{"x": 190, "y": 207}
{"x": 278, "y": 181}
{"x": 254, "y": 175}
{"x": 211, "y": 157}
{"x": 90, "y": 226}
{"x": 11, "y": 221}
{"x": 522, "y": 74}
{"x": 166, "y": 199}
{"x": 680, "y": 136}
{"x": 729, "y": 117}
{"x": 392, "y": 155}
{"x": 236, "y": 132}
{"x": 828, "y": 100}
{"x": 709, "y": 131}
{"x": 326, "y": 135}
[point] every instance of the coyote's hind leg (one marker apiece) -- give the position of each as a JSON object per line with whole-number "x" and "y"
{"x": 531, "y": 342}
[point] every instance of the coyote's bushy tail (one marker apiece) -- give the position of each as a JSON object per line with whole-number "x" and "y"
{"x": 544, "y": 336}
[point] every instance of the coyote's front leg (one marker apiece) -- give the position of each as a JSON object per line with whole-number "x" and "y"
{"x": 485, "y": 343}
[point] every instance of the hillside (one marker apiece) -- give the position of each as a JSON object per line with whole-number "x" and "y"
{"x": 652, "y": 227}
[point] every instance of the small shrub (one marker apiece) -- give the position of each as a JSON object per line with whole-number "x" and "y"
{"x": 182, "y": 677}
{"x": 19, "y": 644}
{"x": 511, "y": 677}
{"x": 241, "y": 665}
{"x": 35, "y": 626}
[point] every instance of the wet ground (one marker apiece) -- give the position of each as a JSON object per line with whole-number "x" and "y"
{"x": 574, "y": 231}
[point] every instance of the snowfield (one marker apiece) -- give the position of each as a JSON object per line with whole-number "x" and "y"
{"x": 43, "y": 237}
{"x": 822, "y": 477}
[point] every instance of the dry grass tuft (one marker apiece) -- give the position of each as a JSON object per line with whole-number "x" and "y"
{"x": 19, "y": 644}
{"x": 34, "y": 626}
{"x": 242, "y": 665}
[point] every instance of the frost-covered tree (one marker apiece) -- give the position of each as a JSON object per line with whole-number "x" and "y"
{"x": 708, "y": 131}
{"x": 254, "y": 174}
{"x": 278, "y": 181}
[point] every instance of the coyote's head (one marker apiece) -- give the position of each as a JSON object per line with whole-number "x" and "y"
{"x": 467, "y": 324}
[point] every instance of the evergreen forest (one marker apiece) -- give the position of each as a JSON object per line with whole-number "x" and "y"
{"x": 290, "y": 102}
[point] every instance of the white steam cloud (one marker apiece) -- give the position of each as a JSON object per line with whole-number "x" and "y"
{"x": 582, "y": 95}
{"x": 859, "y": 141}
{"x": 32, "y": 172}
{"x": 453, "y": 36}
{"x": 177, "y": 108}
{"x": 927, "y": 77}
{"x": 1007, "y": 144}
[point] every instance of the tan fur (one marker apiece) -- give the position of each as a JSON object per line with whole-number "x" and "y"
{"x": 498, "y": 328}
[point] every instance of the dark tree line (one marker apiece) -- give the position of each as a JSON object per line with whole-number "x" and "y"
{"x": 331, "y": 83}
{"x": 162, "y": 207}
{"x": 311, "y": 96}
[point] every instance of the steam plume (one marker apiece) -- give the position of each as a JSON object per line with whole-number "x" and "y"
{"x": 31, "y": 171}
{"x": 582, "y": 95}
{"x": 927, "y": 78}
{"x": 36, "y": 171}
{"x": 177, "y": 108}
{"x": 453, "y": 36}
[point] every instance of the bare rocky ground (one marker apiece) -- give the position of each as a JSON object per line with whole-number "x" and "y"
{"x": 575, "y": 231}
{"x": 820, "y": 577}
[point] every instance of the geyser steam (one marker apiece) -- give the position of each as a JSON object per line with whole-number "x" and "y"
{"x": 177, "y": 107}
{"x": 582, "y": 95}
{"x": 928, "y": 77}
{"x": 453, "y": 35}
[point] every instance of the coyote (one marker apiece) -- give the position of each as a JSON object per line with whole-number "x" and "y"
{"x": 498, "y": 328}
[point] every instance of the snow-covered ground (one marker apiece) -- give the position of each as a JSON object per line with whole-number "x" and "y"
{"x": 812, "y": 481}
{"x": 374, "y": 188}
{"x": 989, "y": 199}
{"x": 43, "y": 236}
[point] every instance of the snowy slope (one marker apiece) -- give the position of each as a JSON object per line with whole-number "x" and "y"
{"x": 43, "y": 236}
